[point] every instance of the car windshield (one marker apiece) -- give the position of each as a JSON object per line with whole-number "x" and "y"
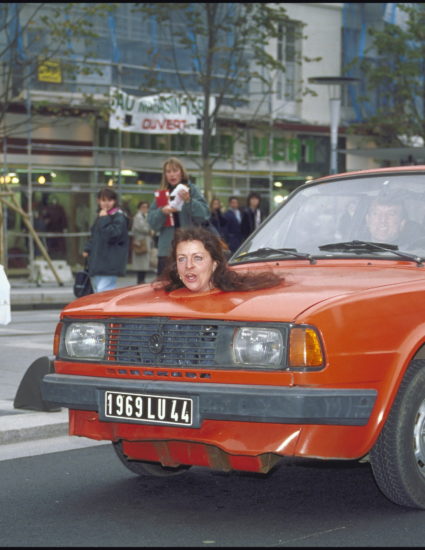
{"x": 378, "y": 215}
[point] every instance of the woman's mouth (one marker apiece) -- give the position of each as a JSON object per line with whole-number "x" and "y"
{"x": 190, "y": 277}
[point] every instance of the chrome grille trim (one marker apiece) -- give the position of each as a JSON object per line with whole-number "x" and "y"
{"x": 164, "y": 343}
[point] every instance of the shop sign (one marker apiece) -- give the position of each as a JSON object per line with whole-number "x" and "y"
{"x": 49, "y": 71}
{"x": 285, "y": 149}
{"x": 157, "y": 114}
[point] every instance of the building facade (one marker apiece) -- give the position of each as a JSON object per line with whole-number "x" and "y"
{"x": 54, "y": 163}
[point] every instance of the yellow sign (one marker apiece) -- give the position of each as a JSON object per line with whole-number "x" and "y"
{"x": 49, "y": 71}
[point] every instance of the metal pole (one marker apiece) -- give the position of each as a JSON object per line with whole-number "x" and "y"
{"x": 29, "y": 174}
{"x": 334, "y": 83}
{"x": 2, "y": 238}
{"x": 335, "y": 105}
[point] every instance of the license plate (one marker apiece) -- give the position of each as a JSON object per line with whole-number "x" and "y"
{"x": 158, "y": 409}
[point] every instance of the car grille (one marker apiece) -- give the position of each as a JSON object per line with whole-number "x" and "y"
{"x": 163, "y": 343}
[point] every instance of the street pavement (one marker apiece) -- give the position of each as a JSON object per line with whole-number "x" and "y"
{"x": 18, "y": 426}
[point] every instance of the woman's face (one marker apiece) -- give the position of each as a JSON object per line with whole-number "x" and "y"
{"x": 215, "y": 204}
{"x": 195, "y": 265}
{"x": 254, "y": 203}
{"x": 173, "y": 174}
{"x": 105, "y": 203}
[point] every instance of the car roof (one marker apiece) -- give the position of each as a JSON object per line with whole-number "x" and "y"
{"x": 371, "y": 172}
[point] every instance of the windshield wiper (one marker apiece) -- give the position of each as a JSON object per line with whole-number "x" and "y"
{"x": 370, "y": 247}
{"x": 266, "y": 252}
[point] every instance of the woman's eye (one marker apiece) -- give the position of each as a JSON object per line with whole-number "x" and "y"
{"x": 181, "y": 259}
{"x": 198, "y": 258}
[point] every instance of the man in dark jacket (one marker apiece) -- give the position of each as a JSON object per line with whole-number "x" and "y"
{"x": 233, "y": 218}
{"x": 107, "y": 248}
{"x": 251, "y": 216}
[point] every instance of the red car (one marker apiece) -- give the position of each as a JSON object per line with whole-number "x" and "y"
{"x": 330, "y": 364}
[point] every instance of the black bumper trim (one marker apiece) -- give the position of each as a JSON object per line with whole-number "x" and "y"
{"x": 236, "y": 402}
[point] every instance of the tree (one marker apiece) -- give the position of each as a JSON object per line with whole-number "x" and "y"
{"x": 226, "y": 45}
{"x": 394, "y": 71}
{"x": 34, "y": 39}
{"x": 41, "y": 38}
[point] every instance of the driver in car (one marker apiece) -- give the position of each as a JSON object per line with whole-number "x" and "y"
{"x": 386, "y": 222}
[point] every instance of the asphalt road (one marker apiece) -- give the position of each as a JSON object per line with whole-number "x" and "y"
{"x": 86, "y": 497}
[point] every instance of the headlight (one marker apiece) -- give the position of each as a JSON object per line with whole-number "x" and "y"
{"x": 258, "y": 346}
{"x": 85, "y": 340}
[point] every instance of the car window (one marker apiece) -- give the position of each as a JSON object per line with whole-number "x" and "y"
{"x": 385, "y": 209}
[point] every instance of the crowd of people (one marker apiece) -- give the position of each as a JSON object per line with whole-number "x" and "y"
{"x": 178, "y": 205}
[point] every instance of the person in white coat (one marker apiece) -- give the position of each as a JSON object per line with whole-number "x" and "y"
{"x": 141, "y": 233}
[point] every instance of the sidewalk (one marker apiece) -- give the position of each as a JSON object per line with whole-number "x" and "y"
{"x": 19, "y": 425}
{"x": 27, "y": 295}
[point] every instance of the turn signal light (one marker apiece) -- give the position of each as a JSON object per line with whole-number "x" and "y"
{"x": 56, "y": 339}
{"x": 305, "y": 348}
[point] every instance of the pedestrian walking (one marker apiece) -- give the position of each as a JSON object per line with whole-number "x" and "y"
{"x": 107, "y": 247}
{"x": 251, "y": 216}
{"x": 163, "y": 218}
{"x": 142, "y": 242}
{"x": 233, "y": 218}
{"x": 217, "y": 218}
{"x": 55, "y": 221}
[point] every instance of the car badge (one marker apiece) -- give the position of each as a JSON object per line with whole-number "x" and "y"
{"x": 156, "y": 343}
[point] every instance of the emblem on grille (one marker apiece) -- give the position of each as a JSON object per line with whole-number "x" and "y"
{"x": 156, "y": 343}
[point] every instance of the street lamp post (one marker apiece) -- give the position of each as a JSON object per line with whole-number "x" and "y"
{"x": 334, "y": 83}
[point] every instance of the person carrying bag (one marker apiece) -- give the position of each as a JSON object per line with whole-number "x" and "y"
{"x": 107, "y": 247}
{"x": 82, "y": 283}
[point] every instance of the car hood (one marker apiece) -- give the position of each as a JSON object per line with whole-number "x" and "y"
{"x": 302, "y": 288}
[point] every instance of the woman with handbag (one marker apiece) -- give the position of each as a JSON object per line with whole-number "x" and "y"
{"x": 142, "y": 242}
{"x": 164, "y": 219}
{"x": 107, "y": 248}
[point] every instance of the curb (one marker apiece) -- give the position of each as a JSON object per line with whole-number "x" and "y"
{"x": 31, "y": 297}
{"x": 26, "y": 294}
{"x": 16, "y": 426}
{"x": 28, "y": 299}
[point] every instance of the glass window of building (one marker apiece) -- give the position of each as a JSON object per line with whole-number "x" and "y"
{"x": 288, "y": 49}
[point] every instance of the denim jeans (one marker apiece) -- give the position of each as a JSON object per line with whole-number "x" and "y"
{"x": 103, "y": 282}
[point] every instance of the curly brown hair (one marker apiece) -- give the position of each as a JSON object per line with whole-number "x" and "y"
{"x": 223, "y": 277}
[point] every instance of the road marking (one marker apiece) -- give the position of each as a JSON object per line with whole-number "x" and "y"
{"x": 15, "y": 332}
{"x": 315, "y": 534}
{"x": 30, "y": 345}
{"x": 46, "y": 446}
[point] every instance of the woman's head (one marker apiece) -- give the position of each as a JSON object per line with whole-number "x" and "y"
{"x": 215, "y": 204}
{"x": 143, "y": 207}
{"x": 107, "y": 198}
{"x": 173, "y": 173}
{"x": 198, "y": 262}
{"x": 197, "y": 259}
{"x": 253, "y": 200}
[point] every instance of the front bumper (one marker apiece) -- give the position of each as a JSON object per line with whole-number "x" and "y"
{"x": 232, "y": 402}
